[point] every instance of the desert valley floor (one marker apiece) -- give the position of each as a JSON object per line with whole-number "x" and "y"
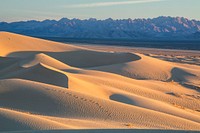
{"x": 55, "y": 87}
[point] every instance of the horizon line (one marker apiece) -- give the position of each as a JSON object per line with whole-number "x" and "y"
{"x": 192, "y": 19}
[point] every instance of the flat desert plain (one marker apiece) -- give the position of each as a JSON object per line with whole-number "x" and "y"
{"x": 54, "y": 87}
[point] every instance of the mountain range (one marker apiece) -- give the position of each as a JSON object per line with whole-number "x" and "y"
{"x": 162, "y": 28}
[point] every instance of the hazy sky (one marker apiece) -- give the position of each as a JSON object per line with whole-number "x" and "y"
{"x": 15, "y": 10}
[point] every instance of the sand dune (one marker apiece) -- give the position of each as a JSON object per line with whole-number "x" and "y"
{"x": 12, "y": 45}
{"x": 50, "y": 86}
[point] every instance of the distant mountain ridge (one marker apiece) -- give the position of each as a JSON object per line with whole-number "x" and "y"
{"x": 167, "y": 28}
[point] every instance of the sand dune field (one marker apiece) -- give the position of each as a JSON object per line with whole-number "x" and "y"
{"x": 60, "y": 87}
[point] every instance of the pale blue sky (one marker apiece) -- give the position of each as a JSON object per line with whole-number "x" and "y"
{"x": 15, "y": 10}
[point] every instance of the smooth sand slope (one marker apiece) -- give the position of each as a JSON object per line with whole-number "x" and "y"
{"x": 59, "y": 87}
